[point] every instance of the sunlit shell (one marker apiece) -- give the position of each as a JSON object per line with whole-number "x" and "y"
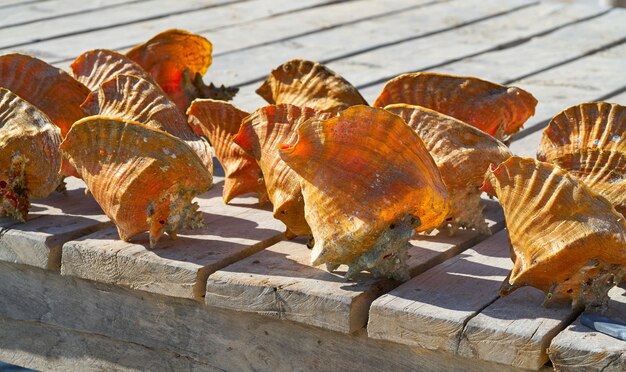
{"x": 132, "y": 98}
{"x": 565, "y": 239}
{"x": 589, "y": 141}
{"x": 219, "y": 121}
{"x": 368, "y": 182}
{"x": 94, "y": 67}
{"x": 309, "y": 84}
{"x": 260, "y": 135}
{"x": 496, "y": 109}
{"x": 51, "y": 90}
{"x": 140, "y": 185}
{"x": 29, "y": 155}
{"x": 463, "y": 155}
{"x": 177, "y": 60}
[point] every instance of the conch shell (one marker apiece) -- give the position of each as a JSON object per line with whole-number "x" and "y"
{"x": 463, "y": 155}
{"x": 565, "y": 239}
{"x": 135, "y": 99}
{"x": 219, "y": 121}
{"x": 496, "y": 109}
{"x": 155, "y": 174}
{"x": 368, "y": 182}
{"x": 51, "y": 90}
{"x": 177, "y": 60}
{"x": 94, "y": 67}
{"x": 29, "y": 154}
{"x": 260, "y": 135}
{"x": 309, "y": 84}
{"x": 589, "y": 141}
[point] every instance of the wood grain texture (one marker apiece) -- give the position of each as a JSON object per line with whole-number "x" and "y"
{"x": 579, "y": 348}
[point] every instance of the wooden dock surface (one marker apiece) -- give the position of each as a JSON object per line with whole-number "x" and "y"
{"x": 236, "y": 295}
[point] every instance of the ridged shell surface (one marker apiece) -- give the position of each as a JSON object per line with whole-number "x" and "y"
{"x": 368, "y": 182}
{"x": 94, "y": 67}
{"x": 174, "y": 58}
{"x": 309, "y": 84}
{"x": 463, "y": 154}
{"x": 219, "y": 121}
{"x": 132, "y": 98}
{"x": 495, "y": 109}
{"x": 51, "y": 90}
{"x": 565, "y": 239}
{"x": 143, "y": 178}
{"x": 29, "y": 155}
{"x": 260, "y": 135}
{"x": 589, "y": 141}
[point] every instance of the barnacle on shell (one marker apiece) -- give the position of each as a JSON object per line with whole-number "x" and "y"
{"x": 260, "y": 135}
{"x": 565, "y": 239}
{"x": 589, "y": 141}
{"x": 495, "y": 109}
{"x": 309, "y": 84}
{"x": 219, "y": 121}
{"x": 143, "y": 178}
{"x": 29, "y": 155}
{"x": 368, "y": 183}
{"x": 463, "y": 154}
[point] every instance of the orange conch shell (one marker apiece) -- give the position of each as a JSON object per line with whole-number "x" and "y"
{"x": 177, "y": 60}
{"x": 589, "y": 141}
{"x": 94, "y": 67}
{"x": 368, "y": 182}
{"x": 143, "y": 178}
{"x": 135, "y": 99}
{"x": 29, "y": 154}
{"x": 260, "y": 135}
{"x": 51, "y": 90}
{"x": 219, "y": 121}
{"x": 496, "y": 109}
{"x": 463, "y": 155}
{"x": 565, "y": 239}
{"x": 309, "y": 84}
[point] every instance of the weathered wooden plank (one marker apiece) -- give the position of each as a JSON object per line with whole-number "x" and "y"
{"x": 62, "y": 51}
{"x": 515, "y": 330}
{"x": 280, "y": 282}
{"x": 580, "y": 348}
{"x": 176, "y": 267}
{"x": 52, "y": 9}
{"x": 45, "y": 347}
{"x": 220, "y": 338}
{"x": 14, "y": 37}
{"x": 52, "y": 222}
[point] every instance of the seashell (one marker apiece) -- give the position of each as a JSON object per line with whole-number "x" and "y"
{"x": 177, "y": 60}
{"x": 29, "y": 154}
{"x": 309, "y": 84}
{"x": 589, "y": 141}
{"x": 140, "y": 185}
{"x": 260, "y": 135}
{"x": 565, "y": 239}
{"x": 135, "y": 99}
{"x": 219, "y": 121}
{"x": 48, "y": 88}
{"x": 462, "y": 154}
{"x": 94, "y": 67}
{"x": 368, "y": 182}
{"x": 496, "y": 109}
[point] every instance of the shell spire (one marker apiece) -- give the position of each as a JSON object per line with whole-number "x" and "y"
{"x": 140, "y": 185}
{"x": 565, "y": 239}
{"x": 463, "y": 154}
{"x": 368, "y": 183}
{"x": 495, "y": 109}
{"x": 219, "y": 121}
{"x": 309, "y": 84}
{"x": 29, "y": 154}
